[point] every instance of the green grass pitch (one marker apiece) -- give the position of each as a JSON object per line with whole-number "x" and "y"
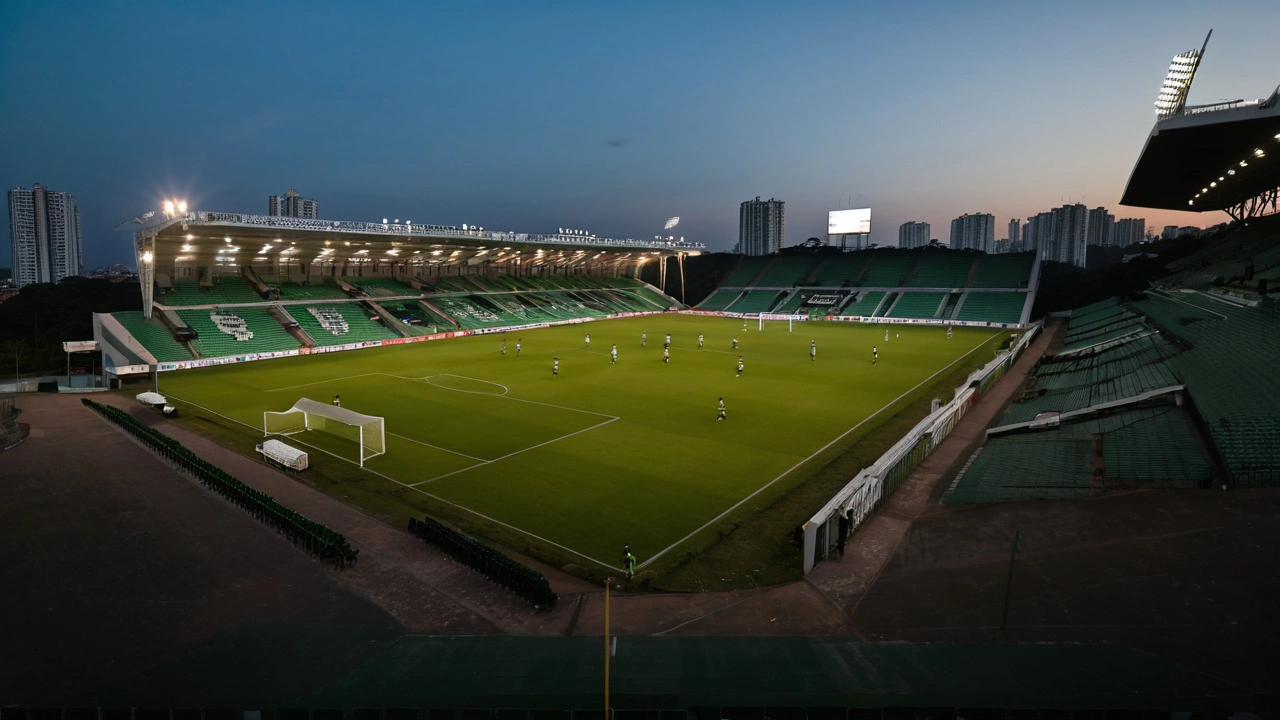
{"x": 602, "y": 454}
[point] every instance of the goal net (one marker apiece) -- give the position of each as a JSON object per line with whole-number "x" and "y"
{"x": 309, "y": 415}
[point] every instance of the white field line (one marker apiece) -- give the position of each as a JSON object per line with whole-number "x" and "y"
{"x": 517, "y": 452}
{"x": 526, "y": 533}
{"x": 504, "y": 397}
{"x": 322, "y": 382}
{"x": 437, "y": 447}
{"x": 427, "y": 380}
{"x": 817, "y": 452}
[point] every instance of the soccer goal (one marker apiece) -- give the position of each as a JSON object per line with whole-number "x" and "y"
{"x": 307, "y": 415}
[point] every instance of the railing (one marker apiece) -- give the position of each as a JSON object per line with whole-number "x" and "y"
{"x": 871, "y": 487}
{"x": 431, "y": 231}
{"x": 318, "y": 539}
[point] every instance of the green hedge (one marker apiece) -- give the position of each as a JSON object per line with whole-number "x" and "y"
{"x": 315, "y": 537}
{"x": 520, "y": 579}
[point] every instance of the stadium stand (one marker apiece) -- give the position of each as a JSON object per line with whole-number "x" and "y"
{"x": 746, "y": 271}
{"x": 942, "y": 269}
{"x": 1003, "y": 271}
{"x": 917, "y": 305}
{"x": 220, "y": 290}
{"x": 224, "y": 333}
{"x": 1108, "y": 410}
{"x": 786, "y": 271}
{"x": 842, "y": 270}
{"x": 1229, "y": 370}
{"x": 719, "y": 300}
{"x": 865, "y": 305}
{"x": 339, "y": 324}
{"x": 1004, "y": 307}
{"x": 887, "y": 269}
{"x": 381, "y": 286}
{"x": 290, "y": 291}
{"x": 755, "y": 301}
{"x": 153, "y": 335}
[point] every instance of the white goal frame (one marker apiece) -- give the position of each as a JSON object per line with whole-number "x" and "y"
{"x": 302, "y": 417}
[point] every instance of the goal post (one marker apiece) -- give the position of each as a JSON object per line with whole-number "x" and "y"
{"x": 367, "y": 431}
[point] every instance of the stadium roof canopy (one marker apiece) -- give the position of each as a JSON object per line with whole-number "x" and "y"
{"x": 1211, "y": 158}
{"x": 211, "y": 237}
{"x": 1224, "y": 156}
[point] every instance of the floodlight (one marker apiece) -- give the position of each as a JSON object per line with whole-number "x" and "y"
{"x": 168, "y": 207}
{"x": 146, "y": 256}
{"x": 182, "y": 206}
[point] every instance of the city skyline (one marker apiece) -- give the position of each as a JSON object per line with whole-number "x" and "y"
{"x": 589, "y": 116}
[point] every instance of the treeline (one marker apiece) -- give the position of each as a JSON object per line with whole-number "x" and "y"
{"x": 35, "y": 322}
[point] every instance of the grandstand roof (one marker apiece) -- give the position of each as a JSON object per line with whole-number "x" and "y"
{"x": 1209, "y": 157}
{"x": 207, "y": 237}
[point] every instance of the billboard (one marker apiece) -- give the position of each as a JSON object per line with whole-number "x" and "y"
{"x": 849, "y": 222}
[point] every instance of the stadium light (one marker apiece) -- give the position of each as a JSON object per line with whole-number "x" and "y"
{"x": 182, "y": 206}
{"x": 168, "y": 207}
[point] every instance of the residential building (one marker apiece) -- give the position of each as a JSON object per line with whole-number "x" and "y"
{"x": 761, "y": 226}
{"x": 1101, "y": 228}
{"x": 913, "y": 234}
{"x": 1015, "y": 235}
{"x": 1130, "y": 231}
{"x": 1170, "y": 232}
{"x": 44, "y": 232}
{"x": 293, "y": 205}
{"x": 974, "y": 232}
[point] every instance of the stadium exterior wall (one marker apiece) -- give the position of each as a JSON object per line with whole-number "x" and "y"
{"x": 873, "y": 485}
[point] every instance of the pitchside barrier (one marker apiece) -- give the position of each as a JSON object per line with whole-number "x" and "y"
{"x": 872, "y": 486}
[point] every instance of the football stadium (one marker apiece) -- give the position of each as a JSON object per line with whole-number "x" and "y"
{"x": 485, "y": 376}
{"x": 395, "y": 471}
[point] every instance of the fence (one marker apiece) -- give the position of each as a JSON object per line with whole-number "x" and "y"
{"x": 315, "y": 537}
{"x": 516, "y": 577}
{"x": 873, "y": 485}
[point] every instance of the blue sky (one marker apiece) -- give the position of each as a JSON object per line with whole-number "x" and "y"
{"x": 605, "y": 116}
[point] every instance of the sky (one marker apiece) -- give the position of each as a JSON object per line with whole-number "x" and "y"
{"x": 609, "y": 117}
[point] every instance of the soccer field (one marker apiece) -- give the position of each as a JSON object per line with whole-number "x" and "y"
{"x": 602, "y": 454}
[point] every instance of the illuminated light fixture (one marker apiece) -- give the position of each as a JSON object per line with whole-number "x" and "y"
{"x": 1244, "y": 164}
{"x": 227, "y": 239}
{"x": 1221, "y": 179}
{"x": 1257, "y": 152}
{"x": 168, "y": 207}
{"x": 182, "y": 206}
{"x": 1173, "y": 93}
{"x": 191, "y": 237}
{"x": 1231, "y": 172}
{"x": 1204, "y": 190}
{"x": 1213, "y": 184}
{"x": 146, "y": 256}
{"x": 1191, "y": 202}
{"x": 384, "y": 221}
{"x": 278, "y": 240}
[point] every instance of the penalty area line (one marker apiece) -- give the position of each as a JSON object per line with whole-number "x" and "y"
{"x": 517, "y": 452}
{"x": 815, "y": 453}
{"x": 318, "y": 382}
{"x": 433, "y": 496}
